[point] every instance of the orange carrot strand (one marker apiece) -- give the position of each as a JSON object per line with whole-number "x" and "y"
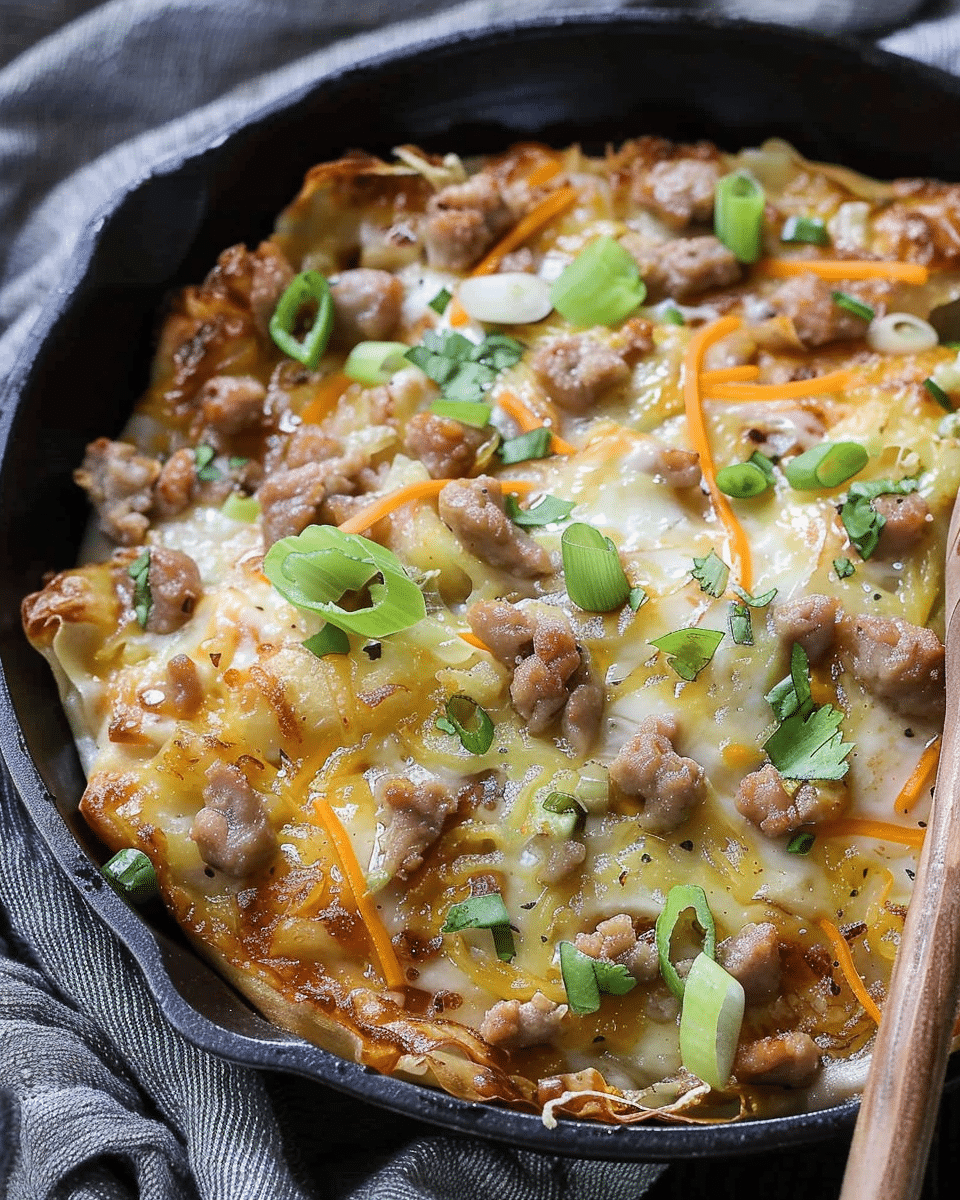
{"x": 847, "y": 966}
{"x": 919, "y": 778}
{"x": 380, "y": 939}
{"x": 729, "y": 375}
{"x": 738, "y": 547}
{"x": 550, "y": 206}
{"x": 885, "y": 831}
{"x": 528, "y": 420}
{"x": 836, "y": 271}
{"x": 836, "y": 381}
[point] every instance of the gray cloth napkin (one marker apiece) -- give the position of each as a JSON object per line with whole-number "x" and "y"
{"x": 100, "y": 1097}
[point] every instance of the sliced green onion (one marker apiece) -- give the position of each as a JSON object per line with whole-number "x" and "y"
{"x": 440, "y": 301}
{"x": 801, "y": 843}
{"x": 826, "y": 466}
{"x": 853, "y": 305}
{"x": 562, "y": 802}
{"x": 743, "y": 481}
{"x": 579, "y": 979}
{"x": 901, "y": 333}
{"x": 558, "y": 814}
{"x": 613, "y": 978}
{"x": 673, "y": 316}
{"x": 710, "y": 1022}
{"x": 843, "y": 567}
{"x": 375, "y": 362}
{"x": 755, "y": 601}
{"x": 545, "y": 512}
{"x": 861, "y": 521}
{"x": 203, "y": 457}
{"x": 241, "y": 508}
{"x": 317, "y": 567}
{"x": 534, "y": 444}
{"x": 689, "y": 650}
{"x": 139, "y": 572}
{"x": 505, "y": 298}
{"x": 484, "y": 912}
{"x": 592, "y": 568}
{"x": 330, "y": 640}
{"x": 307, "y": 287}
{"x": 805, "y": 229}
{"x": 638, "y": 596}
{"x": 739, "y": 623}
{"x": 941, "y": 397}
{"x": 738, "y": 215}
{"x": 680, "y": 899}
{"x": 235, "y": 461}
{"x": 601, "y": 286}
{"x": 765, "y": 464}
{"x": 712, "y": 573}
{"x": 468, "y": 412}
{"x": 466, "y": 720}
{"x": 131, "y": 874}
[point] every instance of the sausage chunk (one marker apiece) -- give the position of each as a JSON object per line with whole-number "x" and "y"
{"x": 473, "y": 509}
{"x": 231, "y": 830}
{"x": 788, "y": 1059}
{"x": 290, "y": 500}
{"x": 683, "y": 267}
{"x": 463, "y": 221}
{"x": 810, "y": 621}
{"x": 679, "y": 190}
{"x": 649, "y": 769}
{"x": 778, "y": 806}
{"x": 185, "y": 693}
{"x": 505, "y": 629}
{"x": 119, "y": 482}
{"x": 447, "y": 448}
{"x": 899, "y": 663}
{"x": 366, "y": 305}
{"x": 175, "y": 484}
{"x": 580, "y": 721}
{"x": 270, "y": 275}
{"x": 416, "y": 813}
{"x": 539, "y": 688}
{"x": 752, "y": 956}
{"x": 228, "y": 405}
{"x": 616, "y": 940}
{"x": 576, "y": 371}
{"x": 512, "y": 1025}
{"x": 175, "y": 587}
{"x": 816, "y": 316}
{"x": 905, "y": 520}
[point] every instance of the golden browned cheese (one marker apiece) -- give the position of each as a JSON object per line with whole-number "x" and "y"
{"x": 313, "y": 825}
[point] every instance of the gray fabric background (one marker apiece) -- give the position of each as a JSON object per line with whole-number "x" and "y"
{"x": 99, "y": 1097}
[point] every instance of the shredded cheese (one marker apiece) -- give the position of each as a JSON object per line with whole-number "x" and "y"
{"x": 835, "y": 271}
{"x": 367, "y": 910}
{"x": 528, "y": 420}
{"x": 836, "y": 381}
{"x": 850, "y": 973}
{"x": 385, "y": 505}
{"x": 912, "y": 790}
{"x": 738, "y": 547}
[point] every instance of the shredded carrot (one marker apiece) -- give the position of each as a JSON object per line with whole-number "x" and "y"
{"x": 325, "y": 398}
{"x": 380, "y": 939}
{"x": 458, "y": 314}
{"x": 541, "y": 214}
{"x": 919, "y": 778}
{"x": 729, "y": 375}
{"x": 385, "y": 505}
{"x": 471, "y": 640}
{"x": 850, "y": 973}
{"x": 738, "y": 547}
{"x": 836, "y": 381}
{"x": 528, "y": 420}
{"x": 835, "y": 271}
{"x": 544, "y": 171}
{"x": 867, "y": 827}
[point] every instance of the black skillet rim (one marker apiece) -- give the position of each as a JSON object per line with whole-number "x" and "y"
{"x": 277, "y": 1050}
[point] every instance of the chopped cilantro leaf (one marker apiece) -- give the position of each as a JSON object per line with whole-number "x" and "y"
{"x": 755, "y": 601}
{"x": 440, "y": 301}
{"x": 533, "y": 444}
{"x": 544, "y": 512}
{"x": 807, "y": 743}
{"x": 689, "y": 650}
{"x": 801, "y": 843}
{"x": 330, "y": 640}
{"x": 638, "y": 596}
{"x": 139, "y": 572}
{"x": 843, "y": 567}
{"x": 464, "y": 370}
{"x": 203, "y": 456}
{"x": 711, "y": 572}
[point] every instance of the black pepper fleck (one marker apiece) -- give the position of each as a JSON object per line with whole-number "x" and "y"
{"x": 909, "y": 733}
{"x": 687, "y": 845}
{"x": 645, "y": 858}
{"x": 911, "y": 874}
{"x": 373, "y": 650}
{"x": 532, "y": 904}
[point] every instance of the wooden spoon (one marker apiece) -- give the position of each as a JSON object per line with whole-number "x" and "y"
{"x": 899, "y": 1108}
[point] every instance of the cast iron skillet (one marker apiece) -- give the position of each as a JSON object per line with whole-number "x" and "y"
{"x": 593, "y": 78}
